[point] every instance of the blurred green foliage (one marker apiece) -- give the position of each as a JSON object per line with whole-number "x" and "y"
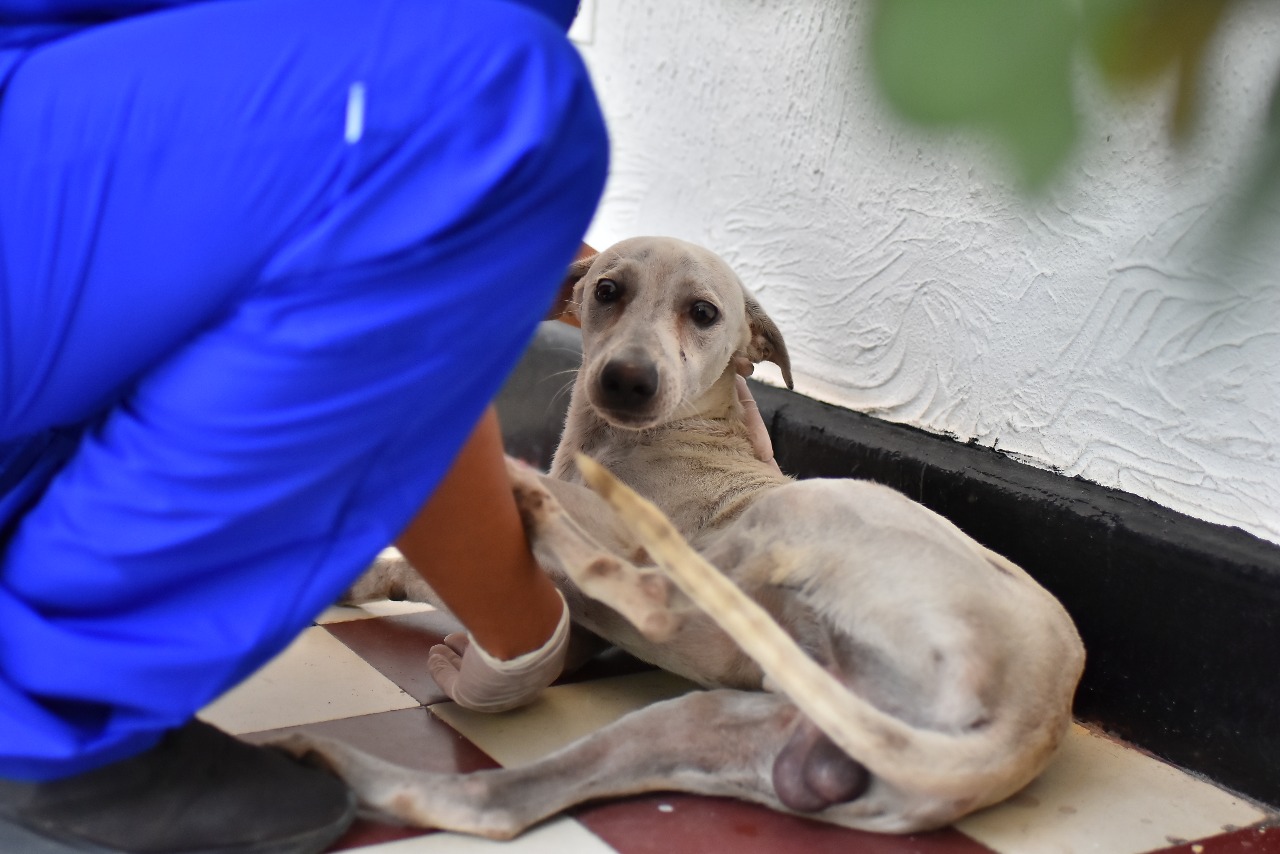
{"x": 1005, "y": 67}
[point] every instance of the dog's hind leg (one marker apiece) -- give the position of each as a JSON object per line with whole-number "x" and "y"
{"x": 390, "y": 576}
{"x": 706, "y": 742}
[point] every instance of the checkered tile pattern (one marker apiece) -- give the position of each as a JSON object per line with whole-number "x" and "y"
{"x": 359, "y": 675}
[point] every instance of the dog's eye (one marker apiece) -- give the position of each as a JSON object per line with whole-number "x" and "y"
{"x": 704, "y": 313}
{"x": 607, "y": 290}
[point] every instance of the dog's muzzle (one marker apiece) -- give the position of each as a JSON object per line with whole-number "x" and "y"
{"x": 627, "y": 388}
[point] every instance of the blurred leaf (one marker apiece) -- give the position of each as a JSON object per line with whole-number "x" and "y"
{"x": 1250, "y": 217}
{"x": 1136, "y": 41}
{"x": 1003, "y": 66}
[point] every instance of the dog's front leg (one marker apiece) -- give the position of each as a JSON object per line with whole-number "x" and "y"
{"x": 708, "y": 742}
{"x": 562, "y": 545}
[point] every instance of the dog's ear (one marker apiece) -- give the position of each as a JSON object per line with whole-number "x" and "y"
{"x": 766, "y": 344}
{"x": 567, "y": 300}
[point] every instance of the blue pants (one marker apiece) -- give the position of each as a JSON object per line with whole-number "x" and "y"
{"x": 262, "y": 265}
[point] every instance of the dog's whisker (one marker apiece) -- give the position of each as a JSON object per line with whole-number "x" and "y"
{"x": 565, "y": 389}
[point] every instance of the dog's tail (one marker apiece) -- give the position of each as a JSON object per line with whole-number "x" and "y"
{"x": 961, "y": 767}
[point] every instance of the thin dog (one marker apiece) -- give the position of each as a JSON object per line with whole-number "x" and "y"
{"x": 944, "y": 673}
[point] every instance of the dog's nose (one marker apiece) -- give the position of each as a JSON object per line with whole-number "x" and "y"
{"x": 628, "y": 384}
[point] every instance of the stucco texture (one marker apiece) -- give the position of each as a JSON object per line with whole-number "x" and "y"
{"x": 1094, "y": 331}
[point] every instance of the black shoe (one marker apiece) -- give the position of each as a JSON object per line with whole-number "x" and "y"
{"x": 199, "y": 791}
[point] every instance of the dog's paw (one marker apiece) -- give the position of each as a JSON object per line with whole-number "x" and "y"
{"x": 659, "y": 626}
{"x": 519, "y": 471}
{"x": 642, "y": 596}
{"x": 659, "y": 622}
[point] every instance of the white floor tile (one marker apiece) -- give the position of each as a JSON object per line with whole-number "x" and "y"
{"x": 365, "y": 610}
{"x": 561, "y": 836}
{"x": 562, "y": 714}
{"x": 317, "y": 678}
{"x": 1101, "y": 796}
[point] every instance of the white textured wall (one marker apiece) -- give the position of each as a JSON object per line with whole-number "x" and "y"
{"x": 1087, "y": 332}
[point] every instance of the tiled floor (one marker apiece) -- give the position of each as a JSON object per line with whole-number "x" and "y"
{"x": 359, "y": 675}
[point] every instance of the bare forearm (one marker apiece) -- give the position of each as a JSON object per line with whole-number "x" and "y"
{"x": 468, "y": 543}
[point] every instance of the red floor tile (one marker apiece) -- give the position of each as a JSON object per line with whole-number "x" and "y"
{"x": 414, "y": 738}
{"x": 692, "y": 824}
{"x": 398, "y": 646}
{"x": 1255, "y": 840}
{"x": 364, "y": 833}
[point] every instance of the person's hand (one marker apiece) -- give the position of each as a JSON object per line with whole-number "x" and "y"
{"x": 476, "y": 680}
{"x": 760, "y": 441}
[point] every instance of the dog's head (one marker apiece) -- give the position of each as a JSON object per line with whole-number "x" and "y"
{"x": 662, "y": 320}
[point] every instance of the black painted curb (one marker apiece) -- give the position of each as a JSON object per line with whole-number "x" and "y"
{"x": 1180, "y": 617}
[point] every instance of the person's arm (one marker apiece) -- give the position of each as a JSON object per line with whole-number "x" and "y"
{"x": 756, "y": 431}
{"x": 468, "y": 543}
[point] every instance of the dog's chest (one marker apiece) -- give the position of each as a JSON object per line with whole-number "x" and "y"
{"x": 696, "y": 491}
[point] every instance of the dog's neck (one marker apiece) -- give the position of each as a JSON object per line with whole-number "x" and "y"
{"x": 718, "y": 403}
{"x": 704, "y": 447}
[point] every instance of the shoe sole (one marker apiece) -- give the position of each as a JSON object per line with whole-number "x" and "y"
{"x": 19, "y": 840}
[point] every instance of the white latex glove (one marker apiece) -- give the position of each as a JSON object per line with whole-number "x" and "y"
{"x": 760, "y": 441}
{"x": 476, "y": 680}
